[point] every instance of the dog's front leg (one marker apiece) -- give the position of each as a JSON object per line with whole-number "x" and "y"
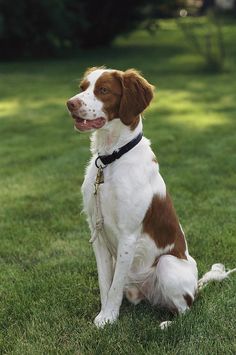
{"x": 125, "y": 254}
{"x": 105, "y": 268}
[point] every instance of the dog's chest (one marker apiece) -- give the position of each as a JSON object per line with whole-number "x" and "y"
{"x": 105, "y": 200}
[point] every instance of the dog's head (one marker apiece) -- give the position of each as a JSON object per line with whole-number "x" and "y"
{"x": 107, "y": 95}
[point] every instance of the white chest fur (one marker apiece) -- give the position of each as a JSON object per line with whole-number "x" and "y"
{"x": 125, "y": 195}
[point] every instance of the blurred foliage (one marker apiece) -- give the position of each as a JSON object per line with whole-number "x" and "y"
{"x": 210, "y": 46}
{"x": 42, "y": 27}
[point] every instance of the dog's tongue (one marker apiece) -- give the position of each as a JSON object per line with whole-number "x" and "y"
{"x": 89, "y": 124}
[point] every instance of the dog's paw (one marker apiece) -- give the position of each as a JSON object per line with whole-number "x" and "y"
{"x": 165, "y": 325}
{"x": 104, "y": 318}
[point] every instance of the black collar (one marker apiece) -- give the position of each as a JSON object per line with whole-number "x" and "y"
{"x": 108, "y": 159}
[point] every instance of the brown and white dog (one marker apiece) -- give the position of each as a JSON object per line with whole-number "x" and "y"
{"x": 141, "y": 250}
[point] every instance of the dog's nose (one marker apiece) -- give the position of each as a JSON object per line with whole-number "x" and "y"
{"x": 73, "y": 104}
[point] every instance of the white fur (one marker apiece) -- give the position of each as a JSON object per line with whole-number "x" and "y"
{"x": 124, "y": 254}
{"x": 130, "y": 184}
{"x": 126, "y": 194}
{"x": 164, "y": 325}
{"x": 91, "y": 107}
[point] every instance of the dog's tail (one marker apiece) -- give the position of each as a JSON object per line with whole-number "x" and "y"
{"x": 217, "y": 273}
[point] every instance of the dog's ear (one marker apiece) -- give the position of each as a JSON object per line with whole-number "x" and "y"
{"x": 137, "y": 94}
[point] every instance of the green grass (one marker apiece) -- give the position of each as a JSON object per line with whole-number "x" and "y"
{"x": 48, "y": 281}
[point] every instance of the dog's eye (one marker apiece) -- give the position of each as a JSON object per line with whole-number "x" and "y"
{"x": 103, "y": 91}
{"x": 81, "y": 88}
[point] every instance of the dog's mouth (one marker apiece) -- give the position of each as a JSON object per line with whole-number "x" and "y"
{"x": 86, "y": 125}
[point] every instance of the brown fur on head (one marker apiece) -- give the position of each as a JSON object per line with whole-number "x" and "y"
{"x": 137, "y": 94}
{"x": 128, "y": 94}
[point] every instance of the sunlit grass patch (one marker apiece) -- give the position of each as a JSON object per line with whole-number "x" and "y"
{"x": 9, "y": 107}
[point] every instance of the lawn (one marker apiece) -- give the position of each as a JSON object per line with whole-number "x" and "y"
{"x": 49, "y": 292}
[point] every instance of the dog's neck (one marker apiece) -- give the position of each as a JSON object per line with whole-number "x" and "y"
{"x": 105, "y": 140}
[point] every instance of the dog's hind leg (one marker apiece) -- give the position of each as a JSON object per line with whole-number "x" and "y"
{"x": 172, "y": 285}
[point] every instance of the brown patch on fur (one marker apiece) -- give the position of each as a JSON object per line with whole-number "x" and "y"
{"x": 112, "y": 98}
{"x": 162, "y": 225}
{"x": 188, "y": 299}
{"x": 84, "y": 84}
{"x": 134, "y": 123}
{"x": 137, "y": 94}
{"x": 180, "y": 247}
